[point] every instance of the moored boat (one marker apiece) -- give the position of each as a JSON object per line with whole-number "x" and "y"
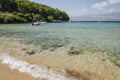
{"x": 36, "y": 23}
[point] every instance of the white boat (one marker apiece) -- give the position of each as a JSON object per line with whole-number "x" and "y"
{"x": 36, "y": 23}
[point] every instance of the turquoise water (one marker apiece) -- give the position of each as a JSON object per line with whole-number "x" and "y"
{"x": 103, "y": 36}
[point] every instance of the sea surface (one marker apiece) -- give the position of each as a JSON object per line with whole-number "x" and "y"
{"x": 101, "y": 36}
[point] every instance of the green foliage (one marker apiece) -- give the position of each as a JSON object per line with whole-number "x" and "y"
{"x": 11, "y": 18}
{"x": 50, "y": 18}
{"x": 26, "y": 11}
{"x": 8, "y": 5}
{"x": 0, "y": 7}
{"x": 1, "y": 19}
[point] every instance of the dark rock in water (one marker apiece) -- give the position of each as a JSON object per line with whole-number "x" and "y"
{"x": 30, "y": 52}
{"x": 24, "y": 49}
{"x": 103, "y": 59}
{"x": 75, "y": 51}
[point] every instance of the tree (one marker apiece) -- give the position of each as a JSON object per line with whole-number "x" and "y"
{"x": 27, "y": 11}
{"x": 0, "y": 7}
{"x": 50, "y": 18}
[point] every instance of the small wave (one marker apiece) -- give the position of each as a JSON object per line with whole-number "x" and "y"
{"x": 33, "y": 70}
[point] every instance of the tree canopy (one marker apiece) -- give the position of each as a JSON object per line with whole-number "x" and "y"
{"x": 19, "y": 11}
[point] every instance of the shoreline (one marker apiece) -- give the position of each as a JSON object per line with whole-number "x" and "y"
{"x": 34, "y": 70}
{"x": 7, "y": 74}
{"x": 90, "y": 66}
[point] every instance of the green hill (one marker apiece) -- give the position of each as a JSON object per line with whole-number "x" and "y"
{"x": 22, "y": 11}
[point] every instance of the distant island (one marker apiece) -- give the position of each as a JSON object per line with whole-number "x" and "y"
{"x": 24, "y": 11}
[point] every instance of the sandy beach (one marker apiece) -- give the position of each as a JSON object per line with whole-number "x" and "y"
{"x": 52, "y": 40}
{"x": 7, "y": 74}
{"x": 82, "y": 67}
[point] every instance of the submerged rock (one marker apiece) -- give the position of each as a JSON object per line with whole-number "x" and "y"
{"x": 24, "y": 49}
{"x": 75, "y": 51}
{"x": 30, "y": 52}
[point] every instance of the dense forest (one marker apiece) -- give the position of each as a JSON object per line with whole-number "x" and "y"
{"x": 22, "y": 11}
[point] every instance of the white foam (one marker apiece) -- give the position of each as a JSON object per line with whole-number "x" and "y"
{"x": 33, "y": 70}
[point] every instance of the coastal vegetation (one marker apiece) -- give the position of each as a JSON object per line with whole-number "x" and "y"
{"x": 22, "y": 11}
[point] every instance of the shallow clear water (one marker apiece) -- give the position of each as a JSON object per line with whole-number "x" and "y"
{"x": 86, "y": 35}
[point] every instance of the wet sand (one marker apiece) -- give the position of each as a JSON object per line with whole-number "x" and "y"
{"x": 88, "y": 66}
{"x": 7, "y": 74}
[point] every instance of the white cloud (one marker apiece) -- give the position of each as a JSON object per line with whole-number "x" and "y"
{"x": 100, "y": 5}
{"x": 104, "y": 4}
{"x": 110, "y": 11}
{"x": 84, "y": 9}
{"x": 113, "y": 1}
{"x": 77, "y": 12}
{"x": 97, "y": 18}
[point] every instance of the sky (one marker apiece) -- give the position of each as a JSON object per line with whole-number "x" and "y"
{"x": 100, "y": 10}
